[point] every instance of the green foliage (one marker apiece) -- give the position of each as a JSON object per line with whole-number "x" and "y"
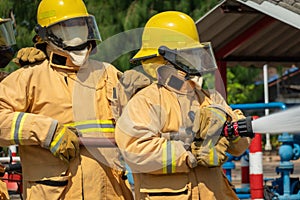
{"x": 240, "y": 85}
{"x": 117, "y": 16}
{"x": 5, "y": 6}
{"x": 208, "y": 81}
{"x": 129, "y": 15}
{"x": 10, "y": 67}
{"x": 112, "y": 17}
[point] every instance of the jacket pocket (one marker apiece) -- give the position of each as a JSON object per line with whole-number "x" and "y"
{"x": 167, "y": 186}
{"x": 48, "y": 188}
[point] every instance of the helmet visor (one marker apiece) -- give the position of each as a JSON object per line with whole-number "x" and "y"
{"x": 7, "y": 37}
{"x": 75, "y": 31}
{"x": 194, "y": 61}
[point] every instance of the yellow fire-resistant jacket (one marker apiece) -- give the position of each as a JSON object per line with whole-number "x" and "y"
{"x": 159, "y": 165}
{"x": 32, "y": 101}
{"x": 3, "y": 191}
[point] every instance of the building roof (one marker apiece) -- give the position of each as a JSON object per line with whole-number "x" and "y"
{"x": 253, "y": 32}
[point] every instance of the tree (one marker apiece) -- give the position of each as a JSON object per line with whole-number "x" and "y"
{"x": 112, "y": 16}
{"x": 240, "y": 85}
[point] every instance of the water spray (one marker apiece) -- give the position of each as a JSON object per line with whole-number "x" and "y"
{"x": 284, "y": 121}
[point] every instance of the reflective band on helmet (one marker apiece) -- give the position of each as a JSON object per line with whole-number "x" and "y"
{"x": 168, "y": 158}
{"x": 17, "y": 126}
{"x": 104, "y": 126}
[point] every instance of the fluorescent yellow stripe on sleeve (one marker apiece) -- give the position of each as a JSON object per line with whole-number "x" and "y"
{"x": 21, "y": 128}
{"x": 213, "y": 156}
{"x": 103, "y": 130}
{"x": 17, "y": 127}
{"x": 56, "y": 141}
{"x": 235, "y": 140}
{"x": 219, "y": 113}
{"x": 13, "y": 127}
{"x": 105, "y": 126}
{"x": 91, "y": 122}
{"x": 168, "y": 158}
{"x": 173, "y": 160}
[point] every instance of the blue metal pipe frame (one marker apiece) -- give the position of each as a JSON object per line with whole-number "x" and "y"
{"x": 285, "y": 173}
{"x": 253, "y": 106}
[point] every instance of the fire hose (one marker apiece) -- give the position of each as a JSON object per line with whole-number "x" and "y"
{"x": 241, "y": 128}
{"x": 97, "y": 142}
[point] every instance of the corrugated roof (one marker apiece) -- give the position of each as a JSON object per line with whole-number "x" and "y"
{"x": 254, "y": 31}
{"x": 292, "y": 5}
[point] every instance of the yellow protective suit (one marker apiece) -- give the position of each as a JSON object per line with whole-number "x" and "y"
{"x": 160, "y": 165}
{"x": 32, "y": 100}
{"x": 3, "y": 187}
{"x": 3, "y": 191}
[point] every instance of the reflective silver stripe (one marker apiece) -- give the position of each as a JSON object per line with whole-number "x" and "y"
{"x": 105, "y": 126}
{"x": 50, "y": 134}
{"x": 17, "y": 126}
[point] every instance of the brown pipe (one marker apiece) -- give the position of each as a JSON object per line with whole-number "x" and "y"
{"x": 97, "y": 142}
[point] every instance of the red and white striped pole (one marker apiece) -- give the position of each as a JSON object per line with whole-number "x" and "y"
{"x": 256, "y": 167}
{"x": 13, "y": 179}
{"x": 13, "y": 153}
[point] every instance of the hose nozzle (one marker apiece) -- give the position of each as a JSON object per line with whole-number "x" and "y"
{"x": 242, "y": 127}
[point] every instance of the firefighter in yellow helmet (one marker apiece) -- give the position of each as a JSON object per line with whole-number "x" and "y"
{"x": 46, "y": 107}
{"x": 7, "y": 40}
{"x": 171, "y": 132}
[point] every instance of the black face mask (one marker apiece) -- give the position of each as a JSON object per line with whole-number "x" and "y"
{"x": 6, "y": 55}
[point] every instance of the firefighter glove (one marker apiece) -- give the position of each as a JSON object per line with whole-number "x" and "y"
{"x": 65, "y": 143}
{"x": 29, "y": 55}
{"x": 209, "y": 121}
{"x": 209, "y": 154}
{"x": 132, "y": 81}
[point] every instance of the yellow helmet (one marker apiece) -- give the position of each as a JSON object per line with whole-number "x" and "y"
{"x": 62, "y": 21}
{"x": 53, "y": 11}
{"x": 173, "y": 35}
{"x": 172, "y": 29}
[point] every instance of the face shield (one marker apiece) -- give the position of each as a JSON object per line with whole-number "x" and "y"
{"x": 193, "y": 61}
{"x": 72, "y": 34}
{"x": 7, "y": 39}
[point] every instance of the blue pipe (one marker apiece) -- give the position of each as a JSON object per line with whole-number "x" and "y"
{"x": 244, "y": 196}
{"x": 251, "y": 106}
